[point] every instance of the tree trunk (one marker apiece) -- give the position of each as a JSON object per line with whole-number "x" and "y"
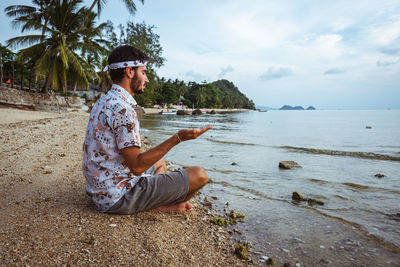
{"x": 12, "y": 82}
{"x": 1, "y": 66}
{"x": 92, "y": 6}
{"x": 22, "y": 78}
{"x": 46, "y": 20}
{"x": 46, "y": 85}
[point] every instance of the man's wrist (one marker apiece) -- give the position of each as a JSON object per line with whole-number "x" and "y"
{"x": 177, "y": 136}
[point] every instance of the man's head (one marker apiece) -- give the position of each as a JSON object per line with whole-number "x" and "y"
{"x": 127, "y": 63}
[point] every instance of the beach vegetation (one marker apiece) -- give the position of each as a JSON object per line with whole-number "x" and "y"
{"x": 62, "y": 48}
{"x": 68, "y": 51}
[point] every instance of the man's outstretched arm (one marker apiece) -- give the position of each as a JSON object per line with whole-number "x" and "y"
{"x": 139, "y": 162}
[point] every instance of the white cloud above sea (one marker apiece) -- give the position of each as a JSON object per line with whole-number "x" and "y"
{"x": 224, "y": 71}
{"x": 387, "y": 61}
{"x": 313, "y": 52}
{"x": 335, "y": 71}
{"x": 385, "y": 33}
{"x": 276, "y": 73}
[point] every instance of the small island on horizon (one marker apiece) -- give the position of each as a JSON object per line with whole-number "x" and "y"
{"x": 287, "y": 107}
{"x": 284, "y": 107}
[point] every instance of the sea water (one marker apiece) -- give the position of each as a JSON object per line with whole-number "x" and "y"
{"x": 340, "y": 152}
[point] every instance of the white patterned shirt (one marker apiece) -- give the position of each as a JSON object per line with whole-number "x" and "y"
{"x": 113, "y": 125}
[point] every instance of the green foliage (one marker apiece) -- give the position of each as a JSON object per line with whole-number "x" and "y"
{"x": 130, "y": 5}
{"x": 231, "y": 97}
{"x": 168, "y": 93}
{"x": 8, "y": 56}
{"x": 64, "y": 35}
{"x": 219, "y": 94}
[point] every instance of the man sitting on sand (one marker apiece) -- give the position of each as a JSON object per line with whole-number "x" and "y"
{"x": 119, "y": 177}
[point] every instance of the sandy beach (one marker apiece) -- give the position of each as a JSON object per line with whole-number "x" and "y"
{"x": 46, "y": 219}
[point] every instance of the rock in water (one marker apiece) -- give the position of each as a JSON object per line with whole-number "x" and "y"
{"x": 288, "y": 165}
{"x": 241, "y": 251}
{"x": 298, "y": 197}
{"x": 180, "y": 112}
{"x": 271, "y": 261}
{"x": 197, "y": 112}
{"x": 368, "y": 127}
{"x": 235, "y": 215}
{"x": 379, "y": 175}
{"x": 312, "y": 201}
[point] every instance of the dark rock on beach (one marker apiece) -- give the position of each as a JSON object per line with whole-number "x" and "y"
{"x": 288, "y": 164}
{"x": 197, "y": 112}
{"x": 180, "y": 112}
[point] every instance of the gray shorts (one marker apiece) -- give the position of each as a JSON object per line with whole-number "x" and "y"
{"x": 154, "y": 191}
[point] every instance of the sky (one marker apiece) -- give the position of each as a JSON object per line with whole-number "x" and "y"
{"x": 328, "y": 54}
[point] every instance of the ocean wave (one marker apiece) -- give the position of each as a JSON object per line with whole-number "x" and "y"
{"x": 366, "y": 155}
{"x": 230, "y": 143}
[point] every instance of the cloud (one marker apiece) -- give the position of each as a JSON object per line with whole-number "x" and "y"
{"x": 389, "y": 51}
{"x": 224, "y": 71}
{"x": 196, "y": 76}
{"x": 385, "y": 63}
{"x": 329, "y": 45}
{"x": 334, "y": 71}
{"x": 276, "y": 73}
{"x": 340, "y": 25}
{"x": 385, "y": 34}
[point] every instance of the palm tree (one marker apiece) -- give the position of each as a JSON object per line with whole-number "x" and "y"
{"x": 130, "y": 5}
{"x": 201, "y": 95}
{"x": 58, "y": 50}
{"x": 105, "y": 81}
{"x": 33, "y": 17}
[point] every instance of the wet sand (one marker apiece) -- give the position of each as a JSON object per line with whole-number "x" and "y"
{"x": 47, "y": 219}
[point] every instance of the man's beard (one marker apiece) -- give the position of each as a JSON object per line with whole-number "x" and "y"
{"x": 135, "y": 84}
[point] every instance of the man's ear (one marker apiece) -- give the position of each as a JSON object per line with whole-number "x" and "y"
{"x": 129, "y": 72}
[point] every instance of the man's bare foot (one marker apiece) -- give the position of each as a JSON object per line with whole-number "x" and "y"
{"x": 184, "y": 206}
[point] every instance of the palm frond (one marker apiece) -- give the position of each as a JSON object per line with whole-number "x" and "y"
{"x": 19, "y": 10}
{"x": 23, "y": 40}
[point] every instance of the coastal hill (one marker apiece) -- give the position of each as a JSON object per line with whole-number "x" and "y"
{"x": 287, "y": 107}
{"x": 229, "y": 93}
